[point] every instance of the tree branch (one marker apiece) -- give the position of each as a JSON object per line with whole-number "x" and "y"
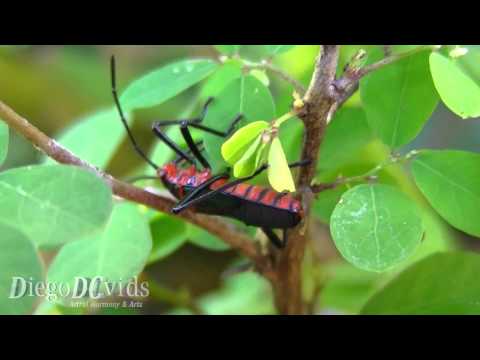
{"x": 319, "y": 104}
{"x": 51, "y": 148}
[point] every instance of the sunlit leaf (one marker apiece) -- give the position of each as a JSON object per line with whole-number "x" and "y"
{"x": 450, "y": 180}
{"x": 458, "y": 91}
{"x": 235, "y": 147}
{"x": 247, "y": 165}
{"x": 441, "y": 284}
{"x": 19, "y": 266}
{"x": 162, "y": 84}
{"x": 53, "y": 204}
{"x": 279, "y": 174}
{"x": 375, "y": 227}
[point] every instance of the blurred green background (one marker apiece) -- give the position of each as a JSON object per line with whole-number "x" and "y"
{"x": 54, "y": 86}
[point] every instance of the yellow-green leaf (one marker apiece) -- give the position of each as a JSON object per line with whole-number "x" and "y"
{"x": 279, "y": 174}
{"x": 247, "y": 164}
{"x": 234, "y": 148}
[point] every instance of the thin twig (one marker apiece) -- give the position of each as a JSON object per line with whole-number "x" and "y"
{"x": 369, "y": 175}
{"x": 348, "y": 83}
{"x": 54, "y": 150}
{"x": 299, "y": 88}
{"x": 393, "y": 58}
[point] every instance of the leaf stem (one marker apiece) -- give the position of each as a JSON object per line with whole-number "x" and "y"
{"x": 278, "y": 122}
{"x": 369, "y": 175}
{"x": 265, "y": 65}
{"x": 348, "y": 84}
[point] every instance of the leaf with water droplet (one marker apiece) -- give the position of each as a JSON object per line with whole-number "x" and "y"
{"x": 222, "y": 77}
{"x": 164, "y": 83}
{"x": 376, "y": 227}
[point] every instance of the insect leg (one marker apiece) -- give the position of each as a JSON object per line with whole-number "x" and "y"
{"x": 273, "y": 238}
{"x": 212, "y": 193}
{"x": 199, "y": 189}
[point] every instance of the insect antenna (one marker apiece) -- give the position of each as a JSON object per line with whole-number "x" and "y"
{"x": 122, "y": 117}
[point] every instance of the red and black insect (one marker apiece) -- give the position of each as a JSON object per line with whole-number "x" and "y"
{"x": 214, "y": 194}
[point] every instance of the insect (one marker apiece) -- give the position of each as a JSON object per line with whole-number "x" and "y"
{"x": 195, "y": 185}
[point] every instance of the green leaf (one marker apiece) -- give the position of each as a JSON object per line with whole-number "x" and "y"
{"x": 261, "y": 75}
{"x": 246, "y": 293}
{"x": 168, "y": 234}
{"x": 228, "y": 49}
{"x": 19, "y": 267}
{"x": 103, "y": 133}
{"x": 237, "y": 145}
{"x": 347, "y": 133}
{"x": 3, "y": 141}
{"x": 441, "y": 284}
{"x": 326, "y": 202}
{"x": 458, "y": 91}
{"x": 160, "y": 85}
{"x": 117, "y": 254}
{"x": 204, "y": 239}
{"x": 53, "y": 204}
{"x": 375, "y": 227}
{"x": 278, "y": 49}
{"x": 224, "y": 75}
{"x": 450, "y": 180}
{"x": 399, "y": 98}
{"x": 247, "y": 165}
{"x": 279, "y": 174}
{"x": 348, "y": 288}
{"x": 247, "y": 96}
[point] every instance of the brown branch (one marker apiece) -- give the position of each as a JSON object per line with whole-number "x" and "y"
{"x": 319, "y": 102}
{"x": 51, "y": 148}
